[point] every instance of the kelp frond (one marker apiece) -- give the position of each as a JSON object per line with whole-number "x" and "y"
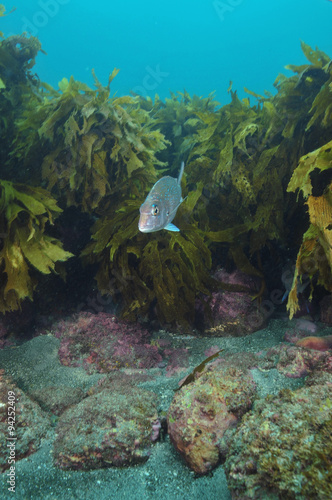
{"x": 24, "y": 213}
{"x": 315, "y": 255}
{"x": 97, "y": 142}
{"x": 320, "y": 159}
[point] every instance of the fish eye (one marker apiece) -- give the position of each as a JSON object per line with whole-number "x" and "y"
{"x": 154, "y": 209}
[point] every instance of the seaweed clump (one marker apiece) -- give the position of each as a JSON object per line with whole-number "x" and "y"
{"x": 240, "y": 158}
{"x": 26, "y": 248}
{"x": 314, "y": 258}
{"x": 102, "y": 154}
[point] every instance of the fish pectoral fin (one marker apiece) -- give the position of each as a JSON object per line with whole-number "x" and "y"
{"x": 171, "y": 227}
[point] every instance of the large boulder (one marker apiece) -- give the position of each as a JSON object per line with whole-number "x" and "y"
{"x": 282, "y": 449}
{"x": 233, "y": 312}
{"x": 22, "y": 424}
{"x": 103, "y": 343}
{"x": 108, "y": 428}
{"x": 203, "y": 410}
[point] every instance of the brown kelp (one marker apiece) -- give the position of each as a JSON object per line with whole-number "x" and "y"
{"x": 314, "y": 258}
{"x": 165, "y": 270}
{"x": 94, "y": 145}
{"x": 243, "y": 156}
{"x": 25, "y": 246}
{"x": 102, "y": 154}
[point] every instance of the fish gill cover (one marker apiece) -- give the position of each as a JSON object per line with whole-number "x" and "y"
{"x": 82, "y": 147}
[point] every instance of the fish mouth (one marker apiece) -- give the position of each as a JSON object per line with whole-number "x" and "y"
{"x": 143, "y": 226}
{"x": 143, "y": 229}
{"x": 147, "y": 228}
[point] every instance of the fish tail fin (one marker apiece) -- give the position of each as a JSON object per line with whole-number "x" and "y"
{"x": 181, "y": 172}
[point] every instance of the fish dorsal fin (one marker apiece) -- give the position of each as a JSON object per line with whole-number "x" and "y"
{"x": 181, "y": 173}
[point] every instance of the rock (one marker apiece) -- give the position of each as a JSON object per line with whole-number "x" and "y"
{"x": 305, "y": 325}
{"x": 20, "y": 419}
{"x": 203, "y": 410}
{"x": 101, "y": 342}
{"x": 107, "y": 429}
{"x": 234, "y": 313}
{"x": 283, "y": 447}
{"x": 57, "y": 398}
{"x": 296, "y": 361}
{"x": 325, "y": 306}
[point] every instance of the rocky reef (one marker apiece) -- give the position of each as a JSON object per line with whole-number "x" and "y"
{"x": 25, "y": 429}
{"x": 201, "y": 413}
{"x": 282, "y": 448}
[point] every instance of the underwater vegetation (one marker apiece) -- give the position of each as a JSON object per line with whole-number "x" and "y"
{"x": 84, "y": 148}
{"x": 26, "y": 248}
{"x": 315, "y": 255}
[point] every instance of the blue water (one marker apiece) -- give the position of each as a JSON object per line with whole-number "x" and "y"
{"x": 168, "y": 45}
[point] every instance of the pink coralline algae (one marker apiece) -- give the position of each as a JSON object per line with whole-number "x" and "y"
{"x": 293, "y": 335}
{"x": 299, "y": 329}
{"x": 296, "y": 361}
{"x": 101, "y": 342}
{"x": 202, "y": 411}
{"x": 234, "y": 313}
{"x": 178, "y": 361}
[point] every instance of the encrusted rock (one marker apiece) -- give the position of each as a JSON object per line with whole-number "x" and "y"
{"x": 282, "y": 449}
{"x": 22, "y": 424}
{"x": 234, "y": 313}
{"x": 203, "y": 410}
{"x": 297, "y": 361}
{"x": 101, "y": 342}
{"x": 107, "y": 429}
{"x": 57, "y": 398}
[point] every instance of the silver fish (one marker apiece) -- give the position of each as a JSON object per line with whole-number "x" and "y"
{"x": 161, "y": 204}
